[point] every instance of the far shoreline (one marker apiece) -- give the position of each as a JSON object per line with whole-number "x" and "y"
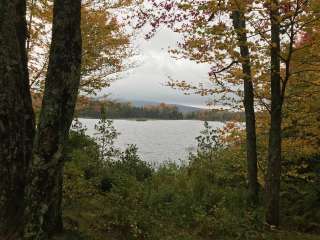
{"x": 156, "y": 119}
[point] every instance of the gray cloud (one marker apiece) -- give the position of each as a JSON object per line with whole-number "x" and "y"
{"x": 146, "y": 81}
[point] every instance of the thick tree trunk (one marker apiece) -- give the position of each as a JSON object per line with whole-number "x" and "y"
{"x": 16, "y": 119}
{"x": 274, "y": 154}
{"x": 53, "y": 222}
{"x": 61, "y": 90}
{"x": 239, "y": 24}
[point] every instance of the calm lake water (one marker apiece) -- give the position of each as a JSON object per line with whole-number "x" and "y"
{"x": 158, "y": 141}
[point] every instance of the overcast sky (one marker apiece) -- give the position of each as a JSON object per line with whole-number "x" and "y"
{"x": 146, "y": 82}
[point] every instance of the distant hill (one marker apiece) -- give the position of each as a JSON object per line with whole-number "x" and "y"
{"x": 141, "y": 103}
{"x": 181, "y": 108}
{"x": 123, "y": 109}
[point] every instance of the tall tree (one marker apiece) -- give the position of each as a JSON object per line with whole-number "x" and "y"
{"x": 289, "y": 20}
{"x": 60, "y": 94}
{"x": 16, "y": 119}
{"x": 274, "y": 154}
{"x": 209, "y": 37}
{"x": 239, "y": 24}
{"x": 106, "y": 45}
{"x": 272, "y": 31}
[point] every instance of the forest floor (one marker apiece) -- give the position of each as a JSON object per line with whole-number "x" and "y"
{"x": 293, "y": 236}
{"x": 281, "y": 235}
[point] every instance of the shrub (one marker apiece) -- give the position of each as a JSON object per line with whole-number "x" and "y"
{"x": 122, "y": 197}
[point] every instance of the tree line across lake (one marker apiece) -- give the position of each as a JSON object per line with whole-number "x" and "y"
{"x": 126, "y": 110}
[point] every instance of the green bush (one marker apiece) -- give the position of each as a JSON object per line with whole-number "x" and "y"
{"x": 301, "y": 194}
{"x": 122, "y": 197}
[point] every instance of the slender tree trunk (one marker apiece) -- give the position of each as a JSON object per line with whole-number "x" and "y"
{"x": 61, "y": 90}
{"x": 16, "y": 119}
{"x": 239, "y": 24}
{"x": 274, "y": 154}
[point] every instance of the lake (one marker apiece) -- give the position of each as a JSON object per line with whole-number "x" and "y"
{"x": 158, "y": 141}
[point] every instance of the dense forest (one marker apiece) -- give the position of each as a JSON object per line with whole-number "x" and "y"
{"x": 89, "y": 108}
{"x": 215, "y": 115}
{"x": 259, "y": 182}
{"x": 117, "y": 110}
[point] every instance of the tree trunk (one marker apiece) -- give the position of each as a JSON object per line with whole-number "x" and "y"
{"x": 53, "y": 222}
{"x": 274, "y": 153}
{"x": 239, "y": 24}
{"x": 61, "y": 90}
{"x": 16, "y": 119}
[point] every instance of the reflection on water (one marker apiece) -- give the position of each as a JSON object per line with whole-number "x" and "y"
{"x": 158, "y": 141}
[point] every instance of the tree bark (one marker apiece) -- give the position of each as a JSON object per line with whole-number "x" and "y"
{"x": 16, "y": 119}
{"x": 239, "y": 24}
{"x": 274, "y": 152}
{"x": 61, "y": 90}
